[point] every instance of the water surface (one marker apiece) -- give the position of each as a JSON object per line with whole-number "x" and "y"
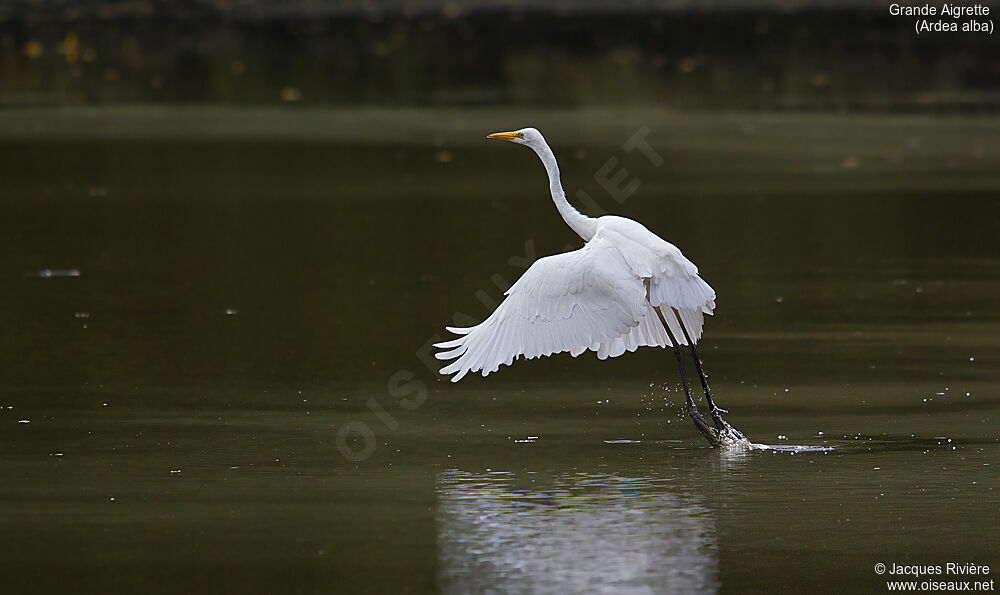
{"x": 251, "y": 311}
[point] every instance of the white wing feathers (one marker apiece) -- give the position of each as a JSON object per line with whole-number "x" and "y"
{"x": 567, "y": 302}
{"x": 594, "y": 298}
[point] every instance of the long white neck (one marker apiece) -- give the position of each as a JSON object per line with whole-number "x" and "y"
{"x": 584, "y": 226}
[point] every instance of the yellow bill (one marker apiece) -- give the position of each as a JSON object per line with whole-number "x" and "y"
{"x": 507, "y": 135}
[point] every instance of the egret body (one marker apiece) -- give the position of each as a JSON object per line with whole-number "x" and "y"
{"x": 625, "y": 288}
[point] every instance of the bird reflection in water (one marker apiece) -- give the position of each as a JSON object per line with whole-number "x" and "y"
{"x": 576, "y": 532}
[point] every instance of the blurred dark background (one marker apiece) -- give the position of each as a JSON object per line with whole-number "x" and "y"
{"x": 714, "y": 55}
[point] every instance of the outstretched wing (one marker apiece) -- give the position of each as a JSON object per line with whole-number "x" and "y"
{"x": 568, "y": 302}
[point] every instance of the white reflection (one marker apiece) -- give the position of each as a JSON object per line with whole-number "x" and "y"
{"x": 573, "y": 533}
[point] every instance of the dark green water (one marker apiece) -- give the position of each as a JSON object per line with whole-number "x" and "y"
{"x": 253, "y": 284}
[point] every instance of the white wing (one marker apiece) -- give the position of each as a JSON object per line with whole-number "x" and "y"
{"x": 586, "y": 299}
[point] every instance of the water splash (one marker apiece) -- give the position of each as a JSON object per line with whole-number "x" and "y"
{"x": 792, "y": 448}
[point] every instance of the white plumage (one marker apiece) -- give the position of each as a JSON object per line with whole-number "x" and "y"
{"x": 600, "y": 297}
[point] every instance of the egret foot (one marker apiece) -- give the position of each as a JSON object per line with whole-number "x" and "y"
{"x": 723, "y": 436}
{"x": 731, "y": 438}
{"x": 716, "y": 412}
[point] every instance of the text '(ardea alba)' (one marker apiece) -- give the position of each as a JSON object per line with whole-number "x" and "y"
{"x": 626, "y": 288}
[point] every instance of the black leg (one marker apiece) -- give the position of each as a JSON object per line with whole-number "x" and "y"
{"x": 727, "y": 434}
{"x": 696, "y": 416}
{"x": 704, "y": 382}
{"x": 714, "y": 409}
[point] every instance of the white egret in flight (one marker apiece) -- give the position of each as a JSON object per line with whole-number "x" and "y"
{"x": 626, "y": 288}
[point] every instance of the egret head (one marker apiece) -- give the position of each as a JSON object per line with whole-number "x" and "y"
{"x": 524, "y": 136}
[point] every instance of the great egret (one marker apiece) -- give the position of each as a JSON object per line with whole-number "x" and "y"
{"x": 626, "y": 288}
